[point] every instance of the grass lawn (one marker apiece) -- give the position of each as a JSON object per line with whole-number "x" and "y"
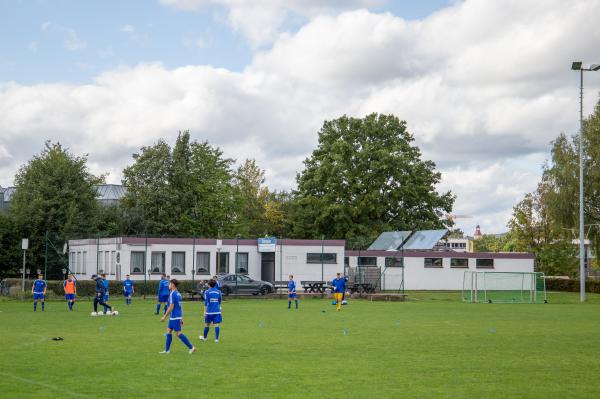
{"x": 431, "y": 346}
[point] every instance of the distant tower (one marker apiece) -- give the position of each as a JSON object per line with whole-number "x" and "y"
{"x": 477, "y": 234}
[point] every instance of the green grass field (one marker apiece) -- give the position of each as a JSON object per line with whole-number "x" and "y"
{"x": 431, "y": 346}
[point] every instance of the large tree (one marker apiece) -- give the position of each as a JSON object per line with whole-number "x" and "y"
{"x": 365, "y": 177}
{"x": 54, "y": 193}
{"x": 185, "y": 190}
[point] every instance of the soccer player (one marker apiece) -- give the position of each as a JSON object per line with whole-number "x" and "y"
{"x": 39, "y": 291}
{"x": 292, "y": 292}
{"x": 100, "y": 291}
{"x": 212, "y": 310}
{"x": 339, "y": 287}
{"x": 70, "y": 291}
{"x": 163, "y": 293}
{"x": 175, "y": 314}
{"x": 128, "y": 289}
{"x": 105, "y": 282}
{"x": 218, "y": 285}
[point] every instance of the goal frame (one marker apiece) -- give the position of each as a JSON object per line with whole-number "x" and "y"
{"x": 476, "y": 288}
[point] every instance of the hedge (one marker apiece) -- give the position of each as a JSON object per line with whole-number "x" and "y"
{"x": 571, "y": 285}
{"x": 87, "y": 288}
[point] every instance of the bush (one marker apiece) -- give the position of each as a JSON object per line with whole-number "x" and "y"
{"x": 87, "y": 288}
{"x": 571, "y": 285}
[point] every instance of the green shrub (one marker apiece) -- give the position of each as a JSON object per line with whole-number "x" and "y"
{"x": 571, "y": 285}
{"x": 87, "y": 288}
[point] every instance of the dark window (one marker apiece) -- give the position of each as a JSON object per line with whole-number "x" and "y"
{"x": 367, "y": 261}
{"x": 459, "y": 262}
{"x": 433, "y": 262}
{"x": 178, "y": 262}
{"x": 393, "y": 262}
{"x": 316, "y": 258}
{"x": 137, "y": 263}
{"x": 202, "y": 262}
{"x": 242, "y": 262}
{"x": 346, "y": 261}
{"x": 157, "y": 262}
{"x": 222, "y": 262}
{"x": 485, "y": 263}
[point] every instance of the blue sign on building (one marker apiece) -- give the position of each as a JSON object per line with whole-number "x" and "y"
{"x": 267, "y": 244}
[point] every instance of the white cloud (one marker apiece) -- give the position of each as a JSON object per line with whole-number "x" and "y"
{"x": 261, "y": 21}
{"x": 33, "y": 46}
{"x": 127, "y": 28}
{"x": 484, "y": 87}
{"x": 71, "y": 41}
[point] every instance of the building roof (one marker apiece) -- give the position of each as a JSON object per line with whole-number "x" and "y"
{"x": 424, "y": 239}
{"x": 389, "y": 240}
{"x": 108, "y": 192}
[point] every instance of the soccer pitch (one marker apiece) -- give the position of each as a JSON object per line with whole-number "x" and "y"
{"x": 432, "y": 346}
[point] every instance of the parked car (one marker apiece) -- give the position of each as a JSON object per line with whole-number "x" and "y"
{"x": 244, "y": 285}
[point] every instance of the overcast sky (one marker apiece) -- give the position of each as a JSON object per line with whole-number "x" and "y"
{"x": 484, "y": 85}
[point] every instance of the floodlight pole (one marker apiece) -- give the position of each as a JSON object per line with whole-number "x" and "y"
{"x": 577, "y": 66}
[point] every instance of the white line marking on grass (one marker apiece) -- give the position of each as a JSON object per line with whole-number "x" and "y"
{"x": 62, "y": 391}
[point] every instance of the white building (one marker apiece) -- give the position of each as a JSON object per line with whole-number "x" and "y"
{"x": 435, "y": 270}
{"x": 179, "y": 257}
{"x": 149, "y": 257}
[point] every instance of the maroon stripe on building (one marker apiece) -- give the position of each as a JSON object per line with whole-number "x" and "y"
{"x": 442, "y": 254}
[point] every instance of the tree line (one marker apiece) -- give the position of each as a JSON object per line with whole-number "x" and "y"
{"x": 366, "y": 176}
{"x": 546, "y": 220}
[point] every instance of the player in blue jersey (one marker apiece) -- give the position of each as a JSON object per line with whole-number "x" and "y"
{"x": 212, "y": 310}
{"x": 292, "y": 292}
{"x": 100, "y": 292}
{"x": 39, "y": 292}
{"x": 106, "y": 293}
{"x": 218, "y": 285}
{"x": 175, "y": 315}
{"x": 128, "y": 289}
{"x": 163, "y": 293}
{"x": 339, "y": 287}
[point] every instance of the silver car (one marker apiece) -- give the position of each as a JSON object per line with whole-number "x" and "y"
{"x": 242, "y": 284}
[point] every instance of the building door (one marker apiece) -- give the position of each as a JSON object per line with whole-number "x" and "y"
{"x": 267, "y": 266}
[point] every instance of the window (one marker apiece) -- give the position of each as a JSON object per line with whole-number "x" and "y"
{"x": 242, "y": 262}
{"x": 113, "y": 255}
{"x": 178, "y": 262}
{"x": 484, "y": 263}
{"x": 83, "y": 264}
{"x": 157, "y": 262}
{"x": 78, "y": 261}
{"x": 229, "y": 278}
{"x": 367, "y": 261}
{"x": 394, "y": 262}
{"x": 328, "y": 258}
{"x": 433, "y": 262}
{"x": 222, "y": 262}
{"x": 107, "y": 262}
{"x": 346, "y": 261}
{"x": 137, "y": 263}
{"x": 100, "y": 261}
{"x": 203, "y": 262}
{"x": 459, "y": 262}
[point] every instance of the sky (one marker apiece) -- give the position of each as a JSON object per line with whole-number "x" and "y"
{"x": 483, "y": 85}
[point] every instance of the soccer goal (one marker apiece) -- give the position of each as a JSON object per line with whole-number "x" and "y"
{"x": 504, "y": 287}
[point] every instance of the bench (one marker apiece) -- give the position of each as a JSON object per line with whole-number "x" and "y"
{"x": 361, "y": 288}
{"x": 280, "y": 285}
{"x": 314, "y": 286}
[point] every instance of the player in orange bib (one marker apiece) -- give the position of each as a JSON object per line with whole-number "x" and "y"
{"x": 70, "y": 290}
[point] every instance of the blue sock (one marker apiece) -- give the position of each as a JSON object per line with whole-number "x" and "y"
{"x": 289, "y": 304}
{"x": 169, "y": 339}
{"x": 206, "y": 332}
{"x": 157, "y": 308}
{"x": 186, "y": 341}
{"x": 296, "y": 304}
{"x": 165, "y": 309}
{"x": 34, "y": 306}
{"x": 43, "y": 303}
{"x": 217, "y": 331}
{"x": 70, "y": 305}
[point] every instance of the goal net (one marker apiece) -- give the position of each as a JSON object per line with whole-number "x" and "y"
{"x": 504, "y": 287}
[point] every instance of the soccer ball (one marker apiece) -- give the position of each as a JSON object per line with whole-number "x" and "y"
{"x": 100, "y": 313}
{"x": 93, "y": 314}
{"x": 344, "y": 302}
{"x": 115, "y": 313}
